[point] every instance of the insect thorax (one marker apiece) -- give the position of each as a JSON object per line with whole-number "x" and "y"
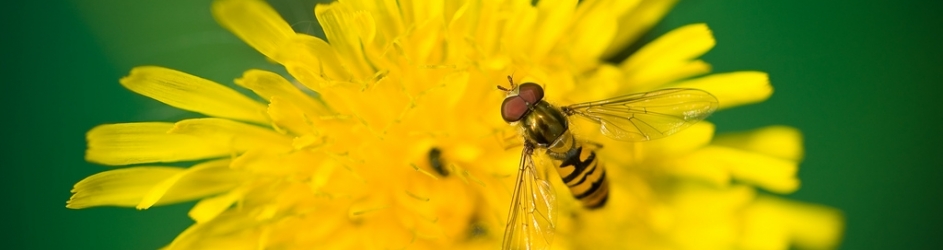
{"x": 544, "y": 124}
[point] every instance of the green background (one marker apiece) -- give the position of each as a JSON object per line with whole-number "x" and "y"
{"x": 861, "y": 79}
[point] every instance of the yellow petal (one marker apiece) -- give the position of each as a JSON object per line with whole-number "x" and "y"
{"x": 591, "y": 33}
{"x": 307, "y": 58}
{"x": 684, "y": 43}
{"x": 669, "y": 58}
{"x": 275, "y": 162}
{"x": 207, "y": 209}
{"x": 188, "y": 92}
{"x": 233, "y": 135}
{"x": 734, "y": 89}
{"x": 389, "y": 21}
{"x": 441, "y": 97}
{"x": 422, "y": 46}
{"x": 636, "y": 22}
{"x": 120, "y": 187}
{"x": 285, "y": 115}
{"x": 256, "y": 23}
{"x": 704, "y": 217}
{"x": 228, "y": 231}
{"x": 517, "y": 31}
{"x": 718, "y": 163}
{"x": 688, "y": 140}
{"x": 347, "y": 30}
{"x": 779, "y": 141}
{"x": 197, "y": 181}
{"x": 322, "y": 175}
{"x": 315, "y": 63}
{"x": 269, "y": 85}
{"x": 377, "y": 107}
{"x": 772, "y": 223}
{"x": 601, "y": 83}
{"x": 132, "y": 143}
{"x": 420, "y": 11}
{"x": 553, "y": 16}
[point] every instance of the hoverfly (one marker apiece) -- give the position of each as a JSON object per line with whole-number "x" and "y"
{"x": 634, "y": 117}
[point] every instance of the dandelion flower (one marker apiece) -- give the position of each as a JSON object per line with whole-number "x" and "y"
{"x": 402, "y": 145}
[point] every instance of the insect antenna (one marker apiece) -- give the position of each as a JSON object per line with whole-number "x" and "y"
{"x": 510, "y": 80}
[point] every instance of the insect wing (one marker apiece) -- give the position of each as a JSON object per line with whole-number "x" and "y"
{"x": 531, "y": 217}
{"x": 647, "y": 116}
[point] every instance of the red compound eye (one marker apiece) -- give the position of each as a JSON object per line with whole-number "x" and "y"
{"x": 531, "y": 92}
{"x": 513, "y": 109}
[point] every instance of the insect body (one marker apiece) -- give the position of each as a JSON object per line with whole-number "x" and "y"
{"x": 636, "y": 117}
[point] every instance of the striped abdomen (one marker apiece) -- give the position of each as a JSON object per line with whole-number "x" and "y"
{"x": 585, "y": 176}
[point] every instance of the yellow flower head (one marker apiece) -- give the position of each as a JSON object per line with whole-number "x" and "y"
{"x": 388, "y": 135}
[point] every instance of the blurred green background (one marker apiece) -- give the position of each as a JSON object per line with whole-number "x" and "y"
{"x": 861, "y": 79}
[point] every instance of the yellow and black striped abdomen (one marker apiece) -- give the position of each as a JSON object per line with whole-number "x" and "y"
{"x": 585, "y": 176}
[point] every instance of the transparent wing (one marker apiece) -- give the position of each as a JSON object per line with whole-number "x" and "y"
{"x": 531, "y": 217}
{"x": 647, "y": 116}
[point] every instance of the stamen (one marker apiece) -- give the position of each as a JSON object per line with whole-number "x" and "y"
{"x": 420, "y": 198}
{"x": 465, "y": 175}
{"x": 423, "y": 171}
{"x": 354, "y": 214}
